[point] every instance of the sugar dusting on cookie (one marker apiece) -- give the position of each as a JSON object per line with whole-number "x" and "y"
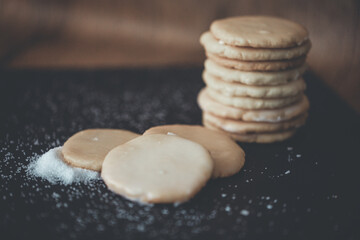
{"x": 51, "y": 167}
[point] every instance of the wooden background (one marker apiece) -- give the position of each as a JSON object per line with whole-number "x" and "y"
{"x": 138, "y": 33}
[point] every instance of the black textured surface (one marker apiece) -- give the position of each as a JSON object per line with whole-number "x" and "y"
{"x": 304, "y": 188}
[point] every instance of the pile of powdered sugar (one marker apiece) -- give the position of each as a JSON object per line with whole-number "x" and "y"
{"x": 51, "y": 166}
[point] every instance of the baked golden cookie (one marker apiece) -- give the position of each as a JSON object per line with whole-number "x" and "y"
{"x": 241, "y": 127}
{"x": 254, "y": 78}
{"x": 276, "y": 65}
{"x": 259, "y": 32}
{"x": 293, "y": 88}
{"x": 207, "y": 104}
{"x": 88, "y": 148}
{"x": 252, "y": 103}
{"x": 228, "y": 156}
{"x": 217, "y": 47}
{"x": 256, "y": 137}
{"x": 157, "y": 168}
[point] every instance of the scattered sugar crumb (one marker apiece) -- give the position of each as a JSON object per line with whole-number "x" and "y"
{"x": 244, "y": 212}
{"x": 50, "y": 166}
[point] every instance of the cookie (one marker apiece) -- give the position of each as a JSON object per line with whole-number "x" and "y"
{"x": 207, "y": 104}
{"x": 228, "y": 157}
{"x": 241, "y": 127}
{"x": 157, "y": 168}
{"x": 256, "y": 137}
{"x": 88, "y": 148}
{"x": 259, "y": 32}
{"x": 242, "y": 90}
{"x": 216, "y": 47}
{"x": 254, "y": 78}
{"x": 276, "y": 65}
{"x": 252, "y": 103}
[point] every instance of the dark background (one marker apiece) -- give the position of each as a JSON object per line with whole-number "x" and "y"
{"x": 143, "y": 33}
{"x": 303, "y": 188}
{"x": 71, "y": 65}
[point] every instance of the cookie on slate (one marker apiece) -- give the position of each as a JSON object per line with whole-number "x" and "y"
{"x": 228, "y": 156}
{"x": 254, "y": 78}
{"x": 256, "y": 137}
{"x": 88, "y": 148}
{"x": 208, "y": 104}
{"x": 157, "y": 168}
{"x": 259, "y": 32}
{"x": 241, "y": 127}
{"x": 217, "y": 47}
{"x": 276, "y": 65}
{"x": 252, "y": 103}
{"x": 242, "y": 90}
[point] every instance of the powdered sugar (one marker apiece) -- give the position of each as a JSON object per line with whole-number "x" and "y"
{"x": 51, "y": 166}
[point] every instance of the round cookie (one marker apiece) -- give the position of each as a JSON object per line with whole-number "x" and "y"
{"x": 207, "y": 104}
{"x": 254, "y": 78}
{"x": 157, "y": 168}
{"x": 252, "y": 103}
{"x": 242, "y": 90}
{"x": 259, "y": 32}
{"x": 212, "y": 45}
{"x": 256, "y": 137}
{"x": 241, "y": 127}
{"x": 88, "y": 148}
{"x": 228, "y": 157}
{"x": 276, "y": 65}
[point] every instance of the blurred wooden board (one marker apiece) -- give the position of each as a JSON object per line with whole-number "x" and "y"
{"x": 83, "y": 34}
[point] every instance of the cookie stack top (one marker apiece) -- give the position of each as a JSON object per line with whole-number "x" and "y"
{"x": 254, "y": 68}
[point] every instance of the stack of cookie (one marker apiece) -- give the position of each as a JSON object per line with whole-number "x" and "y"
{"x": 255, "y": 91}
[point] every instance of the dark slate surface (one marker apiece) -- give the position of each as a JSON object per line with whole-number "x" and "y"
{"x": 304, "y": 188}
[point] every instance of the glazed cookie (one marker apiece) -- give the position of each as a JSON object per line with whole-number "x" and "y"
{"x": 217, "y": 47}
{"x": 276, "y": 65}
{"x": 256, "y": 137}
{"x": 228, "y": 157}
{"x": 241, "y": 127}
{"x": 254, "y": 78}
{"x": 242, "y": 90}
{"x": 252, "y": 103}
{"x": 207, "y": 104}
{"x": 157, "y": 168}
{"x": 259, "y": 32}
{"x": 88, "y": 148}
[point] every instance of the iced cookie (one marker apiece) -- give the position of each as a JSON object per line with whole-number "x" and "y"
{"x": 88, "y": 148}
{"x": 242, "y": 90}
{"x": 208, "y": 104}
{"x": 252, "y": 103}
{"x": 254, "y": 78}
{"x": 276, "y": 65}
{"x": 256, "y": 137}
{"x": 157, "y": 168}
{"x": 217, "y": 47}
{"x": 241, "y": 127}
{"x": 259, "y": 32}
{"x": 228, "y": 156}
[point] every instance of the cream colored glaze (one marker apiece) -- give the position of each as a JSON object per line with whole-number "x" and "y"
{"x": 254, "y": 78}
{"x": 88, "y": 148}
{"x": 256, "y": 137}
{"x": 208, "y": 104}
{"x": 228, "y": 156}
{"x": 259, "y": 32}
{"x": 157, "y": 168}
{"x": 252, "y": 103}
{"x": 241, "y": 127}
{"x": 213, "y": 46}
{"x": 275, "y": 65}
{"x": 242, "y": 90}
